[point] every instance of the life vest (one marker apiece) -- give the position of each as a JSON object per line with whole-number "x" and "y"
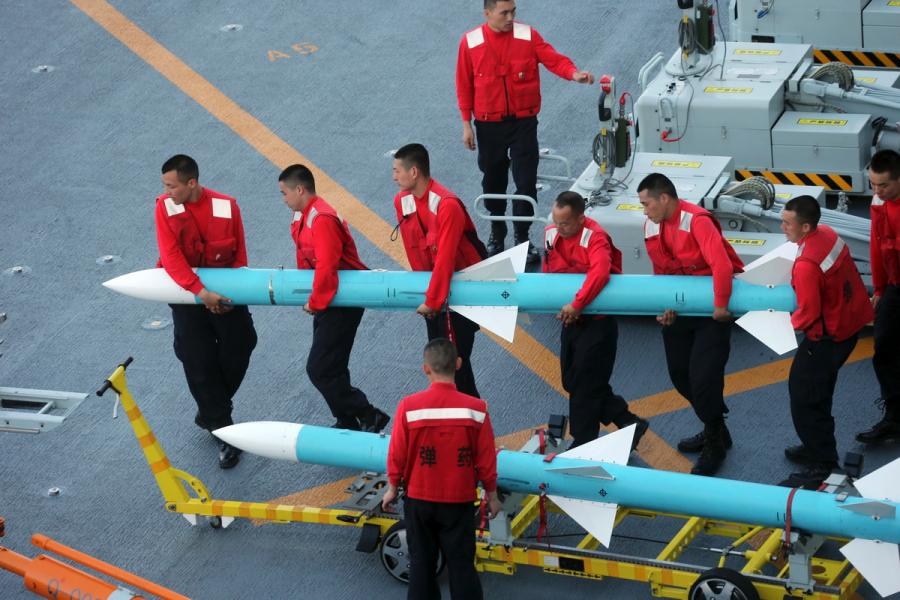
{"x": 510, "y": 89}
{"x": 684, "y": 258}
{"x": 220, "y": 245}
{"x": 845, "y": 301}
{"x": 578, "y": 260}
{"x": 302, "y": 234}
{"x": 419, "y": 229}
{"x": 884, "y": 239}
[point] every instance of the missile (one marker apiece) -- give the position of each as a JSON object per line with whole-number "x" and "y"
{"x": 494, "y": 291}
{"x": 591, "y": 481}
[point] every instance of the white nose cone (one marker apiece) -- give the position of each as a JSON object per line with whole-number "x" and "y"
{"x": 271, "y": 439}
{"x": 151, "y": 284}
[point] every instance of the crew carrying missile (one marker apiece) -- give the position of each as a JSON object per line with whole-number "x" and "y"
{"x": 684, "y": 239}
{"x": 498, "y": 83}
{"x": 884, "y": 177}
{"x": 575, "y": 243}
{"x": 438, "y": 236}
{"x": 199, "y": 227}
{"x": 442, "y": 445}
{"x": 832, "y": 307}
{"x": 324, "y": 243}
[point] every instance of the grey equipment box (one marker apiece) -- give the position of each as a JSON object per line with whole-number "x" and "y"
{"x": 881, "y": 26}
{"x": 830, "y": 142}
{"x": 823, "y": 23}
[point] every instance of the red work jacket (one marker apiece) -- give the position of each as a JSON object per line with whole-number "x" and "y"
{"x": 205, "y": 233}
{"x": 323, "y": 243}
{"x": 497, "y": 73}
{"x": 831, "y": 297}
{"x": 884, "y": 245}
{"x": 690, "y": 242}
{"x": 442, "y": 445}
{"x": 590, "y": 251}
{"x": 438, "y": 236}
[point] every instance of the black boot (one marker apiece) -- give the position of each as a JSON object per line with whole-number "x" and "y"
{"x": 373, "y": 421}
{"x": 885, "y": 430}
{"x": 641, "y": 426}
{"x": 811, "y": 478}
{"x": 799, "y": 454}
{"x": 229, "y": 456}
{"x": 497, "y": 242}
{"x": 713, "y": 454}
{"x": 695, "y": 442}
{"x": 521, "y": 238}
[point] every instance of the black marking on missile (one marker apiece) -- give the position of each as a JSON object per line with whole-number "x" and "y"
{"x": 602, "y": 492}
{"x": 505, "y": 295}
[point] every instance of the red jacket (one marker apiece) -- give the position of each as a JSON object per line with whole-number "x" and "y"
{"x": 497, "y": 73}
{"x": 323, "y": 243}
{"x": 442, "y": 445}
{"x": 690, "y": 242}
{"x": 438, "y": 236}
{"x": 829, "y": 290}
{"x": 884, "y": 245}
{"x": 590, "y": 251}
{"x": 205, "y": 233}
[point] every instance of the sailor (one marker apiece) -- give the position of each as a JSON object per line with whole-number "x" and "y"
{"x": 884, "y": 177}
{"x": 684, "y": 239}
{"x": 497, "y": 83}
{"x": 438, "y": 236}
{"x": 832, "y": 307}
{"x": 199, "y": 227}
{"x": 441, "y": 446}
{"x": 575, "y": 243}
{"x": 324, "y": 243}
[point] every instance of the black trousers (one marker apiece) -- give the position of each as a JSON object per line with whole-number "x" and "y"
{"x": 501, "y": 144}
{"x": 811, "y": 387}
{"x": 587, "y": 353}
{"x": 464, "y": 332}
{"x": 450, "y": 527}
{"x": 886, "y": 359}
{"x": 697, "y": 350}
{"x": 334, "y": 331}
{"x": 215, "y": 353}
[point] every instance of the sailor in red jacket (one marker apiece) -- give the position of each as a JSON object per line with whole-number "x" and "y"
{"x": 438, "y": 236}
{"x": 441, "y": 446}
{"x": 832, "y": 307}
{"x": 884, "y": 177}
{"x": 577, "y": 244}
{"x": 324, "y": 243}
{"x": 684, "y": 239}
{"x": 498, "y": 83}
{"x": 198, "y": 227}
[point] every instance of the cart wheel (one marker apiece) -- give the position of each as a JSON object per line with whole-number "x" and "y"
{"x": 723, "y": 584}
{"x": 215, "y": 522}
{"x": 395, "y": 553}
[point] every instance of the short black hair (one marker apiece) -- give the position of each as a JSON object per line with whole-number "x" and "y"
{"x": 806, "y": 208}
{"x": 657, "y": 184}
{"x": 490, "y": 4}
{"x": 185, "y": 166}
{"x": 414, "y": 155}
{"x": 573, "y": 200}
{"x": 886, "y": 161}
{"x": 296, "y": 175}
{"x": 440, "y": 354}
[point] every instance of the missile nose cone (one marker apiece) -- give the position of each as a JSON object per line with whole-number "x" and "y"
{"x": 271, "y": 439}
{"x": 150, "y": 284}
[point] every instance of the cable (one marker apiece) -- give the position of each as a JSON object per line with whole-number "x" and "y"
{"x": 665, "y": 134}
{"x": 724, "y": 41}
{"x": 835, "y": 72}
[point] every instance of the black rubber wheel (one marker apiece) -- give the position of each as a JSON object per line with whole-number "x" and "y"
{"x": 215, "y": 522}
{"x": 394, "y": 552}
{"x": 723, "y": 584}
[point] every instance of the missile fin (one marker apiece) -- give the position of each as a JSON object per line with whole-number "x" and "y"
{"x": 150, "y": 284}
{"x": 598, "y": 518}
{"x": 192, "y": 519}
{"x": 518, "y": 255}
{"x": 881, "y": 484}
{"x": 613, "y": 448}
{"x": 878, "y": 562}
{"x": 586, "y": 471}
{"x": 271, "y": 439}
{"x": 498, "y": 319}
{"x": 488, "y": 271}
{"x": 772, "y": 328}
{"x": 772, "y": 268}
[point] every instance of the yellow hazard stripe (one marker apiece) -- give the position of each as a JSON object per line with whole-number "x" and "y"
{"x": 829, "y": 181}
{"x": 858, "y": 58}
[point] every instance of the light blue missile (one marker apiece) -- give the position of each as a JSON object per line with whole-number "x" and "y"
{"x": 591, "y": 481}
{"x": 494, "y": 291}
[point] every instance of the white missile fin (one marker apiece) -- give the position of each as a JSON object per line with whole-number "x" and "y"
{"x": 151, "y": 284}
{"x": 772, "y": 268}
{"x": 881, "y": 484}
{"x": 878, "y": 562}
{"x": 488, "y": 271}
{"x": 613, "y": 448}
{"x": 271, "y": 439}
{"x": 772, "y": 328}
{"x": 598, "y": 518}
{"x": 192, "y": 519}
{"x": 498, "y": 319}
{"x": 517, "y": 254}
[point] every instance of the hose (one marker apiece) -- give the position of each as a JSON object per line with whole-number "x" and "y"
{"x": 755, "y": 188}
{"x": 835, "y": 72}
